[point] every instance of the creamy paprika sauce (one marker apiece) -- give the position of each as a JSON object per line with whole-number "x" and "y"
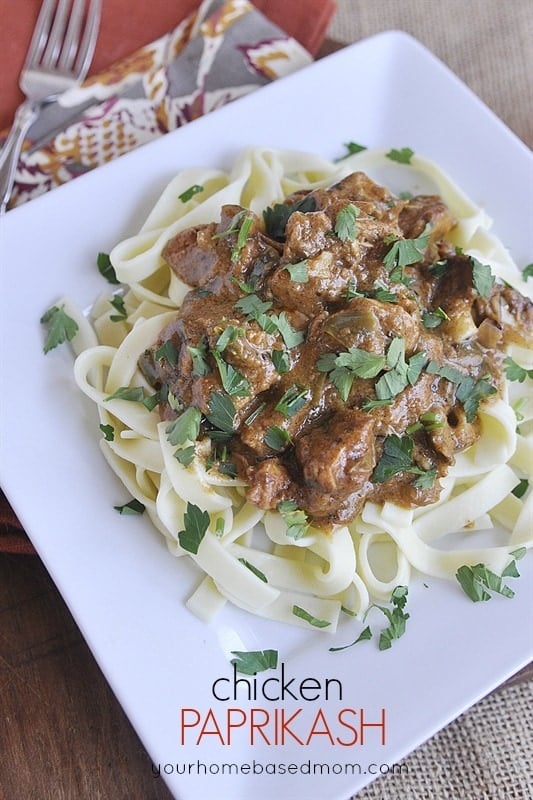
{"x": 335, "y": 351}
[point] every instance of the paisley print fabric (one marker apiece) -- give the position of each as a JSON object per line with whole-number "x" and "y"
{"x": 222, "y": 51}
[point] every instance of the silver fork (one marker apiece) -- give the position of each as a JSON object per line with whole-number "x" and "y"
{"x": 58, "y": 58}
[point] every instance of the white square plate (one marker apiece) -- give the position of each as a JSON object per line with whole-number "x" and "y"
{"x": 124, "y": 589}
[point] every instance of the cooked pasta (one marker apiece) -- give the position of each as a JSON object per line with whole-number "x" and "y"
{"x": 247, "y": 555}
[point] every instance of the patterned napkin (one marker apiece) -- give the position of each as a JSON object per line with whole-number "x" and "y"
{"x": 223, "y": 50}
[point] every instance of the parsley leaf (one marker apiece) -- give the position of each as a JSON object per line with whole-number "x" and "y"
{"x": 253, "y": 661}
{"x": 167, "y": 352}
{"x": 292, "y": 400}
{"x": 106, "y": 268}
{"x": 233, "y": 381}
{"x": 345, "y": 226}
{"x": 397, "y": 456}
{"x": 298, "y": 272}
{"x": 353, "y": 363}
{"x": 61, "y": 327}
{"x": 364, "y": 636}
{"x": 257, "y": 572}
{"x": 405, "y": 252}
{"x": 221, "y": 412}
{"x": 277, "y": 438}
{"x": 295, "y": 519}
{"x": 109, "y": 432}
{"x": 185, "y": 428}
{"x": 514, "y": 372}
{"x": 527, "y": 272}
{"x": 196, "y": 524}
{"x": 277, "y": 216}
{"x": 432, "y": 319}
{"x": 190, "y": 192}
{"x": 290, "y": 335}
{"x": 280, "y": 359}
{"x": 478, "y": 581}
{"x": 402, "y": 156}
{"x": 118, "y": 304}
{"x": 482, "y": 277}
{"x": 352, "y": 148}
{"x": 397, "y": 618}
{"x": 469, "y": 392}
{"x": 185, "y": 455}
{"x": 133, "y": 507}
{"x": 133, "y": 393}
{"x": 300, "y": 612}
{"x": 199, "y": 355}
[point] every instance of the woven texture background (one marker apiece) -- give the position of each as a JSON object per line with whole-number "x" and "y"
{"x": 486, "y": 754}
{"x": 487, "y": 43}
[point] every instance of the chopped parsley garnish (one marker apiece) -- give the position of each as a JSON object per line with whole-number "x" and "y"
{"x": 255, "y": 413}
{"x": 189, "y": 193}
{"x": 280, "y": 359}
{"x": 257, "y": 572}
{"x": 383, "y": 294}
{"x": 404, "y": 252}
{"x": 277, "y": 216}
{"x": 277, "y": 438}
{"x": 479, "y": 581}
{"x": 228, "y": 335}
{"x": 294, "y": 518}
{"x": 402, "y": 156}
{"x": 185, "y": 455}
{"x": 199, "y": 355}
{"x": 109, "y": 432}
{"x": 482, "y": 277}
{"x": 345, "y": 226}
{"x": 234, "y": 382}
{"x": 397, "y": 456}
{"x": 469, "y": 392}
{"x": 252, "y": 306}
{"x": 298, "y": 272}
{"x": 134, "y": 394}
{"x": 364, "y": 636}
{"x": 185, "y": 428}
{"x": 300, "y": 612}
{"x": 196, "y": 523}
{"x": 133, "y": 507}
{"x": 242, "y": 236}
{"x": 61, "y": 327}
{"x": 221, "y": 412}
{"x": 351, "y": 149}
{"x": 290, "y": 336}
{"x": 396, "y": 617}
{"x": 167, "y": 352}
{"x": 254, "y": 661}
{"x": 292, "y": 400}
{"x": 401, "y": 373}
{"x": 106, "y": 268}
{"x": 343, "y": 368}
{"x": 527, "y": 272}
{"x": 514, "y": 372}
{"x": 118, "y": 304}
{"x": 521, "y": 488}
{"x": 432, "y": 319}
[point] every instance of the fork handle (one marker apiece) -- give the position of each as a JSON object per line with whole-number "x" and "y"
{"x": 9, "y": 155}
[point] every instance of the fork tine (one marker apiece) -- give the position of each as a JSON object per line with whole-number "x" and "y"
{"x": 55, "y": 38}
{"x": 88, "y": 42}
{"x": 72, "y": 36}
{"x": 40, "y": 34}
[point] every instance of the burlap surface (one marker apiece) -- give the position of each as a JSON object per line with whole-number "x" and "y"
{"x": 486, "y": 754}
